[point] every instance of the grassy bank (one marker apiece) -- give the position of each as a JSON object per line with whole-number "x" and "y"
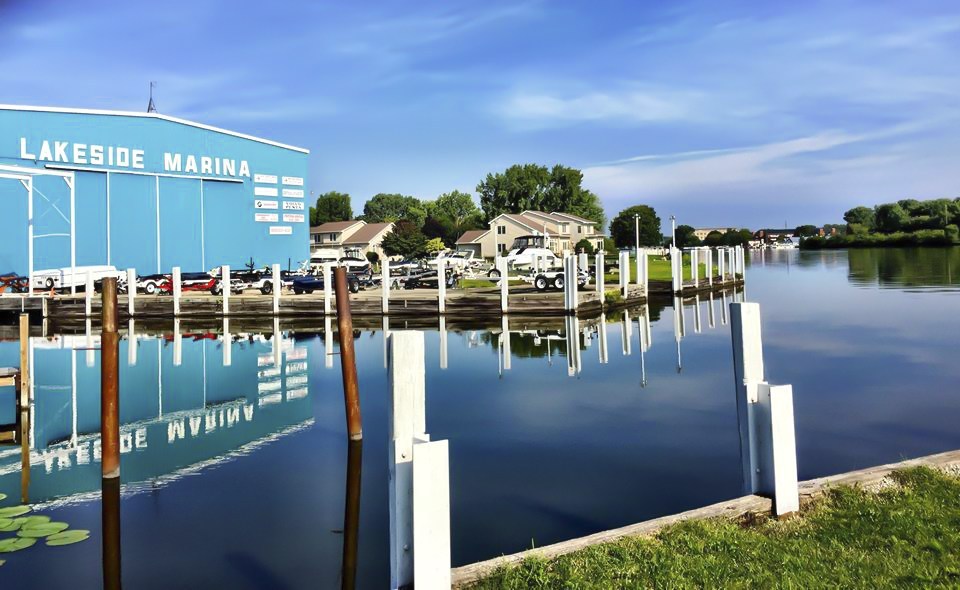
{"x": 906, "y": 535}
{"x": 926, "y": 237}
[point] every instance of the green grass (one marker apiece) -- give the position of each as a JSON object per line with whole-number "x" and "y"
{"x": 904, "y": 536}
{"x": 659, "y": 269}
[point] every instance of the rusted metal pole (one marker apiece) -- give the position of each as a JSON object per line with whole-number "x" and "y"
{"x": 351, "y": 515}
{"x": 110, "y": 521}
{"x": 110, "y": 382}
{"x": 348, "y": 362}
{"x": 23, "y": 407}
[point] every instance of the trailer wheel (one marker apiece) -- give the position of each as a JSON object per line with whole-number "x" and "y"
{"x": 150, "y": 288}
{"x": 267, "y": 288}
{"x": 558, "y": 282}
{"x": 493, "y": 273}
{"x": 297, "y": 290}
{"x": 354, "y": 286}
{"x": 49, "y": 283}
{"x": 540, "y": 283}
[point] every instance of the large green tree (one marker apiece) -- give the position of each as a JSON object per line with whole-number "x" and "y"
{"x": 686, "y": 237}
{"x": 405, "y": 240}
{"x": 450, "y": 215}
{"x": 623, "y": 227}
{"x": 891, "y": 217}
{"x": 331, "y": 206}
{"x": 389, "y": 207}
{"x": 862, "y": 216}
{"x": 531, "y": 186}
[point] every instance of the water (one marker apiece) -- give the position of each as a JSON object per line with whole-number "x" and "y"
{"x": 235, "y": 476}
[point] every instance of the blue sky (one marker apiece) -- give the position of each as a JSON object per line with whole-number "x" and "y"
{"x": 721, "y": 113}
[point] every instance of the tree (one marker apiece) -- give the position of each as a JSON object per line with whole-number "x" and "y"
{"x": 863, "y": 216}
{"x": 405, "y": 240}
{"x": 450, "y": 215}
{"x": 389, "y": 207}
{"x": 714, "y": 238}
{"x": 805, "y": 231}
{"x": 530, "y": 186}
{"x": 623, "y": 227}
{"x": 435, "y": 245}
{"x": 891, "y": 217}
{"x": 686, "y": 238}
{"x": 740, "y": 237}
{"x": 331, "y": 206}
{"x": 584, "y": 246}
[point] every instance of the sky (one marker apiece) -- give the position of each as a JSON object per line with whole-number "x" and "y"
{"x": 720, "y": 113}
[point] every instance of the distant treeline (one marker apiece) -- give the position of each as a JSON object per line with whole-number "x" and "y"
{"x": 908, "y": 222}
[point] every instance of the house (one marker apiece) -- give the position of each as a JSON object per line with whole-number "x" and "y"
{"x": 772, "y": 235}
{"x": 348, "y": 238}
{"x": 703, "y": 232}
{"x": 561, "y": 230}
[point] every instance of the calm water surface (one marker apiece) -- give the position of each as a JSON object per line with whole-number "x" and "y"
{"x": 235, "y": 476}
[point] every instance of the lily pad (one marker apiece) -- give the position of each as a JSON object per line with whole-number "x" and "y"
{"x": 33, "y": 519}
{"x": 12, "y": 511}
{"x": 68, "y": 537}
{"x": 43, "y": 530}
{"x": 2, "y": 498}
{"x": 15, "y": 544}
{"x": 9, "y": 524}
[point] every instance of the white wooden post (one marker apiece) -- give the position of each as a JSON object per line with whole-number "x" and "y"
{"x": 624, "y": 273}
{"x": 676, "y": 269}
{"x": 641, "y": 254}
{"x": 747, "y": 374}
{"x": 131, "y": 289}
{"x": 777, "y": 446}
{"x": 583, "y": 261}
{"x": 419, "y": 475}
{"x": 277, "y": 287}
{"x": 88, "y": 294}
{"x": 176, "y": 290}
{"x": 709, "y": 253}
{"x": 720, "y": 263}
{"x": 327, "y": 290}
{"x": 442, "y": 286}
{"x": 504, "y": 285}
{"x": 385, "y": 284}
{"x": 695, "y": 266}
{"x": 570, "y": 285}
{"x": 599, "y": 276}
{"x": 225, "y": 281}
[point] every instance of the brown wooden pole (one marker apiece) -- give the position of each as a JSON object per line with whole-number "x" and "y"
{"x": 110, "y": 522}
{"x": 110, "y": 381}
{"x": 351, "y": 515}
{"x": 348, "y": 362}
{"x": 23, "y": 407}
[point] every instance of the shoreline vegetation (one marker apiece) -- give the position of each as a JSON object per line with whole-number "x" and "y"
{"x": 902, "y": 534}
{"x": 906, "y": 223}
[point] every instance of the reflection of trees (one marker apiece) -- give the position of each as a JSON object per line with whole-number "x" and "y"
{"x": 530, "y": 343}
{"x": 905, "y": 267}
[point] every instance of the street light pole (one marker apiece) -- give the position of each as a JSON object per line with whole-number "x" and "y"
{"x": 673, "y": 230}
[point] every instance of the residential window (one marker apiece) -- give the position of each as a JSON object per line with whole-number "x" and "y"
{"x": 579, "y": 229}
{"x": 501, "y": 248}
{"x": 501, "y": 229}
{"x": 332, "y": 237}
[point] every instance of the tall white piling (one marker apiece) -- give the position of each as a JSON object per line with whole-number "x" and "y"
{"x": 643, "y": 271}
{"x": 599, "y": 275}
{"x": 676, "y": 270}
{"x": 177, "y": 285}
{"x": 131, "y": 289}
{"x": 764, "y": 416}
{"x": 583, "y": 261}
{"x": 277, "y": 287}
{"x": 441, "y": 286}
{"x": 709, "y": 253}
{"x": 88, "y": 294}
{"x": 720, "y": 263}
{"x": 327, "y": 289}
{"x": 570, "y": 286}
{"x": 695, "y": 266}
{"x": 385, "y": 285}
{"x": 624, "y": 269}
{"x": 504, "y": 285}
{"x": 225, "y": 282}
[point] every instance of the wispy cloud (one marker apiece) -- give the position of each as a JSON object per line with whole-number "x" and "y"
{"x": 635, "y": 105}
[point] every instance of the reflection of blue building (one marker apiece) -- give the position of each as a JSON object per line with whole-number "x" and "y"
{"x": 181, "y": 408}
{"x": 145, "y": 190}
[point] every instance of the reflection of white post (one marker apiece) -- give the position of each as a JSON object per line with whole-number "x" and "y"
{"x": 91, "y": 353}
{"x": 504, "y": 285}
{"x": 384, "y": 284}
{"x": 176, "y": 290}
{"x": 385, "y": 329}
{"x": 277, "y": 287}
{"x": 696, "y": 314}
{"x": 277, "y": 348}
{"x": 88, "y": 294}
{"x": 327, "y": 342}
{"x": 443, "y": 342}
{"x": 711, "y": 314}
{"x": 227, "y": 343}
{"x": 602, "y": 333}
{"x": 419, "y": 476}
{"x": 131, "y": 289}
{"x": 327, "y": 290}
{"x": 723, "y": 308}
{"x": 225, "y": 283}
{"x": 132, "y": 344}
{"x": 442, "y": 286}
{"x": 626, "y": 333}
{"x": 505, "y": 332}
{"x": 177, "y": 343}
{"x": 572, "y": 328}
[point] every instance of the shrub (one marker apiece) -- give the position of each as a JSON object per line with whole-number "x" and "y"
{"x": 373, "y": 257}
{"x": 584, "y": 246}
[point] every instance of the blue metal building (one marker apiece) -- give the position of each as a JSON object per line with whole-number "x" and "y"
{"x": 145, "y": 191}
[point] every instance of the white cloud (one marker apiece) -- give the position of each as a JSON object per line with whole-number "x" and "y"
{"x": 631, "y": 106}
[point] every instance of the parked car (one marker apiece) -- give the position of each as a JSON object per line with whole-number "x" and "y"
{"x": 311, "y": 283}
